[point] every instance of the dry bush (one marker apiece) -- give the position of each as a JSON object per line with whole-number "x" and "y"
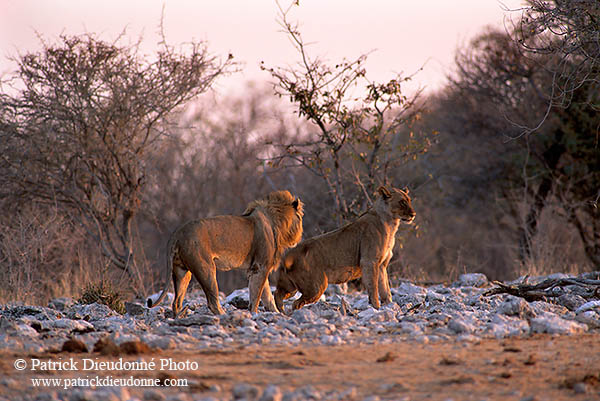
{"x": 103, "y": 292}
{"x": 212, "y": 167}
{"x": 78, "y": 125}
{"x": 355, "y": 141}
{"x": 42, "y": 255}
{"x": 555, "y": 248}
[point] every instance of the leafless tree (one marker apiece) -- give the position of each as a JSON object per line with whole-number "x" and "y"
{"x": 560, "y": 162}
{"x": 567, "y": 32}
{"x": 81, "y": 118}
{"x": 214, "y": 166}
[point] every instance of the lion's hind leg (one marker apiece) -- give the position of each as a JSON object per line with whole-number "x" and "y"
{"x": 181, "y": 280}
{"x": 206, "y": 274}
{"x": 257, "y": 279}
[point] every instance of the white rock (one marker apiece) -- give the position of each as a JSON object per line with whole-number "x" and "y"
{"x": 245, "y": 391}
{"x": 271, "y": 393}
{"x": 367, "y": 313}
{"x": 590, "y": 317}
{"x": 408, "y": 289}
{"x": 91, "y": 312}
{"x": 304, "y": 315}
{"x": 361, "y": 303}
{"x": 120, "y": 338}
{"x": 468, "y": 338}
{"x": 160, "y": 342}
{"x": 516, "y": 306}
{"x": 26, "y": 330}
{"x": 588, "y": 306}
{"x": 503, "y": 326}
{"x": 331, "y": 340}
{"x": 69, "y": 325}
{"x": 241, "y": 293}
{"x": 460, "y": 326}
{"x": 392, "y": 306}
{"x": 471, "y": 280}
{"x": 553, "y": 324}
{"x": 433, "y": 296}
{"x": 214, "y": 331}
{"x": 154, "y": 297}
{"x": 336, "y": 289}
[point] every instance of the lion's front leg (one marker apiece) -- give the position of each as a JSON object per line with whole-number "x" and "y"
{"x": 257, "y": 278}
{"x": 267, "y": 298}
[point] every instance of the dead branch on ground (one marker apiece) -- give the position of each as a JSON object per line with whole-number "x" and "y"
{"x": 548, "y": 288}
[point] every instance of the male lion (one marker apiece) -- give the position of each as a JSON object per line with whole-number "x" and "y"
{"x": 255, "y": 240}
{"x": 361, "y": 248}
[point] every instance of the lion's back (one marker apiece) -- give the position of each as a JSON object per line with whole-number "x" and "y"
{"x": 226, "y": 239}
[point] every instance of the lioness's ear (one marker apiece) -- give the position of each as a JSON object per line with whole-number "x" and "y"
{"x": 295, "y": 203}
{"x": 385, "y": 193}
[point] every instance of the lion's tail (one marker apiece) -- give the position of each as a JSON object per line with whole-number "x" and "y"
{"x": 171, "y": 245}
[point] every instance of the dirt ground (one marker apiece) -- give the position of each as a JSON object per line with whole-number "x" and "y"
{"x": 541, "y": 367}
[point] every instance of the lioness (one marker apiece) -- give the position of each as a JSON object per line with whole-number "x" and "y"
{"x": 361, "y": 248}
{"x": 255, "y": 240}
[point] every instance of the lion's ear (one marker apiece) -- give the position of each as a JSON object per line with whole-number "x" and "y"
{"x": 298, "y": 205}
{"x": 406, "y": 190}
{"x": 385, "y": 193}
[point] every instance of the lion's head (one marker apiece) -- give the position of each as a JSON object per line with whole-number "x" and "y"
{"x": 285, "y": 212}
{"x": 397, "y": 202}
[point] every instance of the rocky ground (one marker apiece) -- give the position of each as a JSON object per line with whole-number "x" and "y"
{"x": 460, "y": 342}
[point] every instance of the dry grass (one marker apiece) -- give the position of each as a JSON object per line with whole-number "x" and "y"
{"x": 103, "y": 292}
{"x": 556, "y": 248}
{"x": 44, "y": 256}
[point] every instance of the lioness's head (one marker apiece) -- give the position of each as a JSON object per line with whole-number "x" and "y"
{"x": 285, "y": 212}
{"x": 397, "y": 202}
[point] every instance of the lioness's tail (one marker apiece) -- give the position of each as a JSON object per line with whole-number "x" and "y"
{"x": 171, "y": 245}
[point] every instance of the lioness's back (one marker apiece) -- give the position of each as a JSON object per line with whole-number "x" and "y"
{"x": 337, "y": 247}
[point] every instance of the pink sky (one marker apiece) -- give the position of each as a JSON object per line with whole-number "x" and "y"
{"x": 404, "y": 34}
